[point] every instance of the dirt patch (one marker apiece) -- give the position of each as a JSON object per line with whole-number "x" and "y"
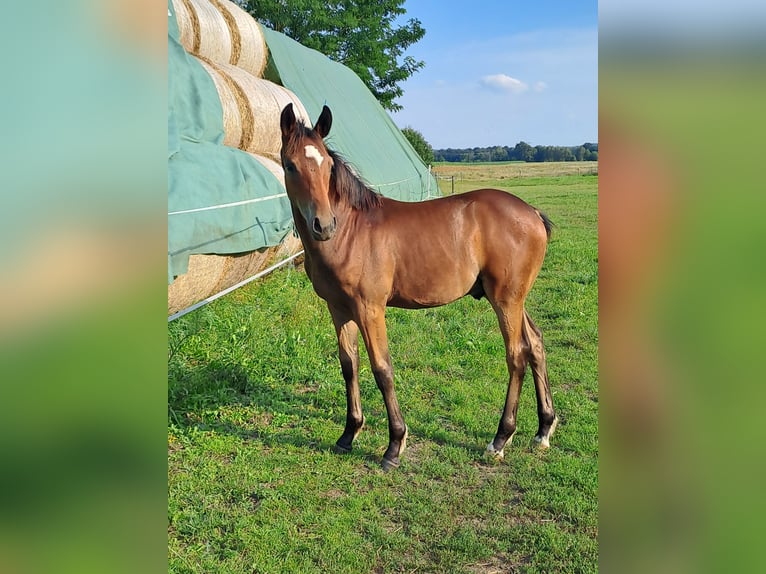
{"x": 499, "y": 565}
{"x": 416, "y": 448}
{"x": 261, "y": 419}
{"x": 334, "y": 494}
{"x": 173, "y": 445}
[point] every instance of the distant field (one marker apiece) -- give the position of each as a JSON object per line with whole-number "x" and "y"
{"x": 471, "y": 175}
{"x": 256, "y": 401}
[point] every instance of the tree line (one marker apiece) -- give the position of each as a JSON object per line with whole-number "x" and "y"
{"x": 522, "y": 151}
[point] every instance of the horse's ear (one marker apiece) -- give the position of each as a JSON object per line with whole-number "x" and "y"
{"x": 324, "y": 123}
{"x": 287, "y": 121}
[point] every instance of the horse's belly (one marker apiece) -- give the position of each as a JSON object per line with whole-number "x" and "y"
{"x": 430, "y": 290}
{"x": 405, "y": 302}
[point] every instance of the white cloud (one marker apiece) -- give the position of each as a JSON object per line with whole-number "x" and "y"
{"x": 561, "y": 57}
{"x": 504, "y": 83}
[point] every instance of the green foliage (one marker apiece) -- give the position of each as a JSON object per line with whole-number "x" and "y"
{"x": 522, "y": 151}
{"x": 418, "y": 141}
{"x": 256, "y": 400}
{"x": 360, "y": 34}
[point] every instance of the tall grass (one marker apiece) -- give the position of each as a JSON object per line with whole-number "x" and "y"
{"x": 256, "y": 401}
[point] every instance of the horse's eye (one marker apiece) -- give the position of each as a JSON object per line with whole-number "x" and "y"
{"x": 290, "y": 167}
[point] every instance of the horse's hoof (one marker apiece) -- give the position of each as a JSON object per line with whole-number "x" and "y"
{"x": 494, "y": 454}
{"x": 544, "y": 441}
{"x": 339, "y": 449}
{"x": 388, "y": 464}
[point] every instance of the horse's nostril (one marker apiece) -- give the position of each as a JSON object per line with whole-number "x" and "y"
{"x": 334, "y": 222}
{"x": 317, "y": 225}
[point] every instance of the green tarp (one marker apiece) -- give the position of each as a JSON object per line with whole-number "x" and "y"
{"x": 221, "y": 200}
{"x": 361, "y": 131}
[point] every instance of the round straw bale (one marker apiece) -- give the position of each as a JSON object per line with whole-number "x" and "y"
{"x": 221, "y": 32}
{"x": 211, "y": 274}
{"x": 239, "y": 267}
{"x": 203, "y": 30}
{"x": 274, "y": 167}
{"x": 249, "y": 50}
{"x": 265, "y": 101}
{"x": 197, "y": 283}
{"x": 187, "y": 21}
{"x": 290, "y": 246}
{"x": 232, "y": 120}
{"x": 251, "y": 108}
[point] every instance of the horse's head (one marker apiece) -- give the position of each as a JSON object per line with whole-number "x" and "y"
{"x": 308, "y": 166}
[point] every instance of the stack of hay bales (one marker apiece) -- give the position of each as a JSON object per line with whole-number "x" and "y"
{"x": 229, "y": 45}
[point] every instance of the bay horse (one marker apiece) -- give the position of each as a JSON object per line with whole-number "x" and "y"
{"x": 364, "y": 252}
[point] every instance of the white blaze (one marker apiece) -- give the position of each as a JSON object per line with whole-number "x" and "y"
{"x": 313, "y": 153}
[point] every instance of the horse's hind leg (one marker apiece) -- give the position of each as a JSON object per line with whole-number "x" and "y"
{"x": 348, "y": 351}
{"x": 509, "y": 313}
{"x": 545, "y": 413}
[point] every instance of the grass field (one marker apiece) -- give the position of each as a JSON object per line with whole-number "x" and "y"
{"x": 506, "y": 174}
{"x": 256, "y": 402}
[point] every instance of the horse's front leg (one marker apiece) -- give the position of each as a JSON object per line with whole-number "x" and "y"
{"x": 348, "y": 352}
{"x": 372, "y": 322}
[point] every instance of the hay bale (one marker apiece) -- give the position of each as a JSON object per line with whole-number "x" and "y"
{"x": 249, "y": 50}
{"x": 197, "y": 283}
{"x": 290, "y": 246}
{"x": 273, "y": 166}
{"x": 251, "y": 108}
{"x": 211, "y": 274}
{"x": 221, "y": 32}
{"x": 232, "y": 116}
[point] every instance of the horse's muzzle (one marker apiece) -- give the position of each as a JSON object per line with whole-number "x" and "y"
{"x": 323, "y": 232}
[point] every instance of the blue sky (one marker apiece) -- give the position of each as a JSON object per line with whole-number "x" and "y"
{"x": 499, "y": 72}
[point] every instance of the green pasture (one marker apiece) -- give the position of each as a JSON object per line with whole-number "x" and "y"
{"x": 256, "y": 402}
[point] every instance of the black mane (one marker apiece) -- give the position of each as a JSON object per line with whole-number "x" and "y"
{"x": 350, "y": 186}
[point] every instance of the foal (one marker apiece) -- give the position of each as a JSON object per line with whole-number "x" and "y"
{"x": 364, "y": 252}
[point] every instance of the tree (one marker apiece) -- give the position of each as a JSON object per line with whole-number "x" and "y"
{"x": 358, "y": 33}
{"x": 524, "y": 152}
{"x": 499, "y": 153}
{"x": 416, "y": 139}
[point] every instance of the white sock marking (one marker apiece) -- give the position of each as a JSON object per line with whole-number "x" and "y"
{"x": 498, "y": 454}
{"x": 545, "y": 441}
{"x": 313, "y": 153}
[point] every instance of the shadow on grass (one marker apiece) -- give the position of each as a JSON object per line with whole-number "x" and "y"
{"x": 198, "y": 396}
{"x": 202, "y": 397}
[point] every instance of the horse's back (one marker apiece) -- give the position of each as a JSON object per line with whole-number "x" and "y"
{"x": 482, "y": 219}
{"x": 493, "y": 199}
{"x": 441, "y": 248}
{"x": 501, "y": 218}
{"x": 497, "y": 199}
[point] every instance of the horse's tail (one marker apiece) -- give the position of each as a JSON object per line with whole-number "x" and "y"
{"x": 547, "y": 222}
